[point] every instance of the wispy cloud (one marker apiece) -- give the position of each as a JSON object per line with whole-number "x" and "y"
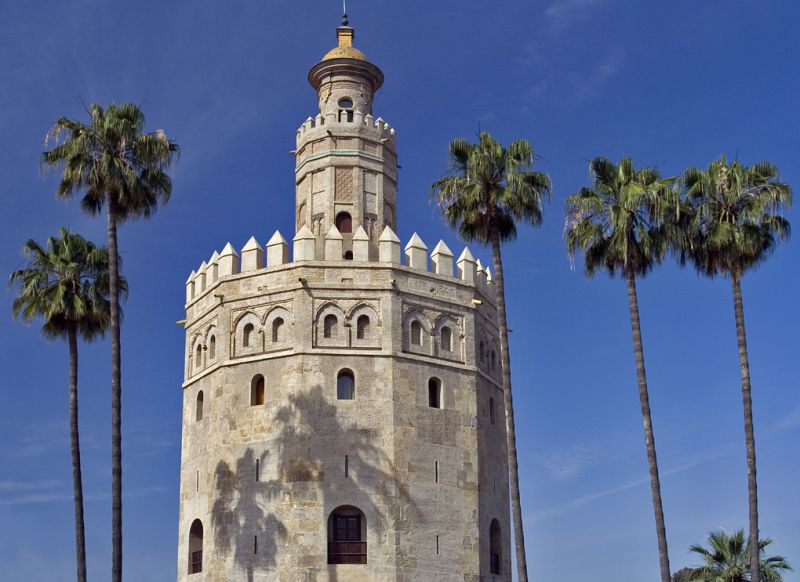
{"x": 38, "y": 492}
{"x": 589, "y": 85}
{"x": 563, "y": 13}
{"x": 788, "y": 422}
{"x": 570, "y": 460}
{"x": 579, "y": 502}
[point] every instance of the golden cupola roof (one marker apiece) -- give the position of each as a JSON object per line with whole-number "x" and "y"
{"x": 345, "y": 33}
{"x": 346, "y": 59}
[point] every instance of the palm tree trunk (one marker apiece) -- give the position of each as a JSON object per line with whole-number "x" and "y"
{"x": 644, "y": 398}
{"x": 75, "y": 450}
{"x": 749, "y": 432}
{"x": 511, "y": 436}
{"x": 116, "y": 393}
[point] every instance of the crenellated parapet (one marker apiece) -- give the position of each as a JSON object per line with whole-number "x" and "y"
{"x": 226, "y": 264}
{"x": 354, "y": 123}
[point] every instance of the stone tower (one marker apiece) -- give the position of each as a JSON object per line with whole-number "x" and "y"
{"x": 342, "y": 412}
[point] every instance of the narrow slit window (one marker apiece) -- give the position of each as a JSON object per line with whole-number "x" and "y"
{"x": 346, "y": 466}
{"x": 247, "y": 335}
{"x": 494, "y": 547}
{"x": 257, "y": 391}
{"x": 435, "y": 393}
{"x": 258, "y": 470}
{"x": 198, "y": 358}
{"x": 436, "y": 471}
{"x": 198, "y": 412}
{"x": 330, "y": 326}
{"x": 277, "y": 330}
{"x": 416, "y": 333}
{"x": 491, "y": 410}
{"x": 212, "y": 347}
{"x": 447, "y": 339}
{"x": 362, "y": 327}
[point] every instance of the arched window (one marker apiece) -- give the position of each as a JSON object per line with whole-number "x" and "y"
{"x": 198, "y": 356}
{"x": 362, "y": 327}
{"x": 495, "y": 547}
{"x": 198, "y": 409}
{"x": 481, "y": 352}
{"x": 447, "y": 339}
{"x": 212, "y": 347}
{"x": 491, "y": 410}
{"x": 494, "y": 360}
{"x": 344, "y": 222}
{"x": 277, "y": 330}
{"x": 416, "y": 333}
{"x": 331, "y": 326}
{"x": 257, "y": 391}
{"x": 347, "y": 536}
{"x": 435, "y": 393}
{"x": 196, "y": 547}
{"x": 346, "y": 110}
{"x": 247, "y": 336}
{"x": 345, "y": 385}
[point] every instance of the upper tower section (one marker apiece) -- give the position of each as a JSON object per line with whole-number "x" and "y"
{"x": 346, "y": 160}
{"x": 345, "y": 79}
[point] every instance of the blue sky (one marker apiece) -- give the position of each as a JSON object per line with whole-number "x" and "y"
{"x": 671, "y": 84}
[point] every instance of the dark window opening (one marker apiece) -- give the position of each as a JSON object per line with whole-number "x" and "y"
{"x": 212, "y": 347}
{"x": 348, "y": 255}
{"x": 416, "y": 333}
{"x": 277, "y": 330}
{"x": 196, "y": 547}
{"x": 330, "y": 326}
{"x": 362, "y": 327}
{"x": 257, "y": 391}
{"x": 447, "y": 339}
{"x": 198, "y": 412}
{"x": 345, "y": 385}
{"x": 491, "y": 410}
{"x": 494, "y": 547}
{"x": 347, "y": 537}
{"x": 198, "y": 359}
{"x": 435, "y": 393}
{"x": 344, "y": 222}
{"x": 247, "y": 336}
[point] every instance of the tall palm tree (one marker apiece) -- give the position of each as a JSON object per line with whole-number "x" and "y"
{"x": 735, "y": 223}
{"x": 617, "y": 224}
{"x": 66, "y": 284}
{"x": 727, "y": 559}
{"x": 120, "y": 167}
{"x": 488, "y": 191}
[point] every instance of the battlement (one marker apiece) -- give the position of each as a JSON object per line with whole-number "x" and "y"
{"x": 314, "y": 127}
{"x": 228, "y": 263}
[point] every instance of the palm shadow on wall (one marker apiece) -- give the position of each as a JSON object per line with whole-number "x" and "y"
{"x": 305, "y": 425}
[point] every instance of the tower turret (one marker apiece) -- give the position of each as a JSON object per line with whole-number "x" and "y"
{"x": 346, "y": 173}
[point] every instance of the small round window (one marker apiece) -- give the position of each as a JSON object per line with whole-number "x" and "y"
{"x": 346, "y": 103}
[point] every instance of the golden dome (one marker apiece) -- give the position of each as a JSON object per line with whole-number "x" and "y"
{"x": 345, "y": 52}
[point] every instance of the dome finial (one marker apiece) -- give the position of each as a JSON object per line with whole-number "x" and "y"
{"x": 345, "y": 21}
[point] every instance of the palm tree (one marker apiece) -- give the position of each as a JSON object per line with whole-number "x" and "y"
{"x": 123, "y": 169}
{"x": 727, "y": 559}
{"x": 618, "y": 226}
{"x": 66, "y": 284}
{"x": 735, "y": 223}
{"x": 488, "y": 191}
